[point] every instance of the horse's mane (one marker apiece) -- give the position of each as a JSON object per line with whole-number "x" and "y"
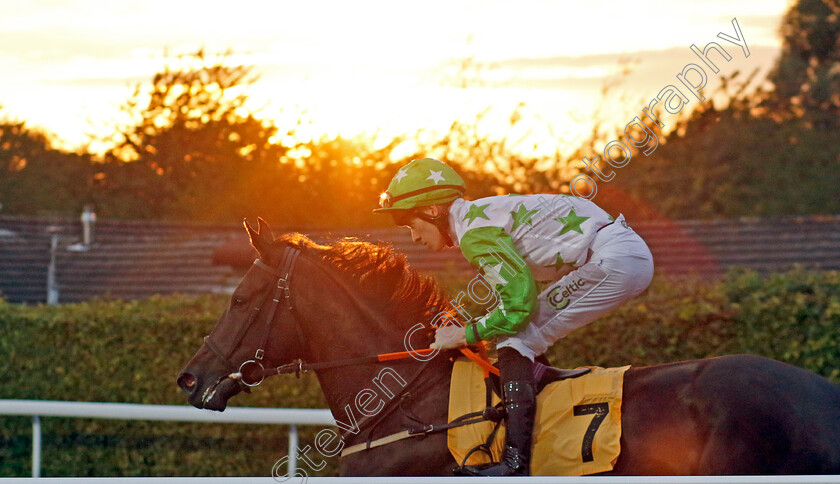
{"x": 383, "y": 275}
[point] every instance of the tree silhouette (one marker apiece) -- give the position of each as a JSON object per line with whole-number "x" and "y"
{"x": 807, "y": 75}
{"x": 191, "y": 144}
{"x": 35, "y": 178}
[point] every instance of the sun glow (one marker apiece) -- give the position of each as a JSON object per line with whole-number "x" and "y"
{"x": 370, "y": 67}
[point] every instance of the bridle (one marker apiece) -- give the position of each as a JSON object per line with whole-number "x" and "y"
{"x": 280, "y": 293}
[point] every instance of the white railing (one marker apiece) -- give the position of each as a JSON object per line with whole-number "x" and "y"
{"x": 294, "y": 417}
{"x": 179, "y": 413}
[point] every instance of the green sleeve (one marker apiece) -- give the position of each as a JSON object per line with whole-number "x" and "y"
{"x": 491, "y": 250}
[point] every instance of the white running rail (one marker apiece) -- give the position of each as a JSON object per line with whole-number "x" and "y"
{"x": 179, "y": 413}
{"x": 293, "y": 417}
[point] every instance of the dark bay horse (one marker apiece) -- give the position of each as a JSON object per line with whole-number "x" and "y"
{"x": 728, "y": 415}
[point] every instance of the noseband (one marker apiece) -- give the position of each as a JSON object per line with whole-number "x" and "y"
{"x": 280, "y": 293}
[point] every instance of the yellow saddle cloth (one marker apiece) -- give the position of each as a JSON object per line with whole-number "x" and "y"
{"x": 577, "y": 426}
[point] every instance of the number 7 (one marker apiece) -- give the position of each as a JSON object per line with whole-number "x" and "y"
{"x": 600, "y": 410}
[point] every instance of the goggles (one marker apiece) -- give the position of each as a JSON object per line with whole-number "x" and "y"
{"x": 386, "y": 200}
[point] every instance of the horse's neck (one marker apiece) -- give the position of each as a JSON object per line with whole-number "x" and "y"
{"x": 384, "y": 393}
{"x": 350, "y": 325}
{"x": 360, "y": 394}
{"x": 357, "y": 394}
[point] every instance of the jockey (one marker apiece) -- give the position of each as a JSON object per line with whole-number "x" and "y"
{"x": 592, "y": 262}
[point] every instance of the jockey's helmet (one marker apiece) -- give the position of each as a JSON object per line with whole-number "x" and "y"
{"x": 420, "y": 183}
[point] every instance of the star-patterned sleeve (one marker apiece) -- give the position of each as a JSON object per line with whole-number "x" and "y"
{"x": 491, "y": 250}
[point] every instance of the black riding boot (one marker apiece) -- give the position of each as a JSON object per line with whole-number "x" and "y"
{"x": 520, "y": 404}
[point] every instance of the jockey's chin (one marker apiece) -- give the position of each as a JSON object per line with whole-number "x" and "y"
{"x": 429, "y": 236}
{"x": 436, "y": 244}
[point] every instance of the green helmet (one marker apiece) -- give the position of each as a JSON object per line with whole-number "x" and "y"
{"x": 421, "y": 183}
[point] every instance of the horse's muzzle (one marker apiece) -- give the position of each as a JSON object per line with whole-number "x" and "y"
{"x": 211, "y": 395}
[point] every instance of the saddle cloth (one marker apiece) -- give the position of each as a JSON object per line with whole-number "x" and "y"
{"x": 577, "y": 427}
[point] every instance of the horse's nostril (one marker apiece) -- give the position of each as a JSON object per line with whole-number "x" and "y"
{"x": 187, "y": 382}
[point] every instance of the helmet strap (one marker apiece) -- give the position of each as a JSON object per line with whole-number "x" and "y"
{"x": 442, "y": 224}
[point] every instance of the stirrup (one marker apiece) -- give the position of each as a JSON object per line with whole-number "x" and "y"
{"x": 462, "y": 470}
{"x": 510, "y": 465}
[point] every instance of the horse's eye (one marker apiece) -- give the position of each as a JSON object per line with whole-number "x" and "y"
{"x": 238, "y": 301}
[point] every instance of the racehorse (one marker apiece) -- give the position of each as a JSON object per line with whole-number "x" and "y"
{"x": 342, "y": 303}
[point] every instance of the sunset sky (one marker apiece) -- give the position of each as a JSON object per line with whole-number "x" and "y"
{"x": 370, "y": 65}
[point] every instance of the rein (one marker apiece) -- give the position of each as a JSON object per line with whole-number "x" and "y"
{"x": 298, "y": 366}
{"x": 254, "y": 367}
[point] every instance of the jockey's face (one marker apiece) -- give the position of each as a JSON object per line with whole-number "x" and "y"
{"x": 425, "y": 232}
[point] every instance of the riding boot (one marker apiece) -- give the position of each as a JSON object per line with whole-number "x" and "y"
{"x": 520, "y": 405}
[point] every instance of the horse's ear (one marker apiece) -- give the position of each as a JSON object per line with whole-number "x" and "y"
{"x": 261, "y": 238}
{"x": 265, "y": 231}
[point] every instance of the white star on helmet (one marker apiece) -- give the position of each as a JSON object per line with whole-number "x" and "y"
{"x": 435, "y": 176}
{"x": 400, "y": 175}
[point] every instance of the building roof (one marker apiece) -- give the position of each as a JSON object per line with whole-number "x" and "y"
{"x": 136, "y": 259}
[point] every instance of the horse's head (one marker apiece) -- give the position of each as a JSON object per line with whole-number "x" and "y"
{"x": 258, "y": 329}
{"x": 351, "y": 299}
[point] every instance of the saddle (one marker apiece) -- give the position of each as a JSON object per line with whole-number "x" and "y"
{"x": 544, "y": 375}
{"x": 552, "y": 374}
{"x": 577, "y": 426}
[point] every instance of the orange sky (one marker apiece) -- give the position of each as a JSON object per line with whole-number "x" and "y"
{"x": 370, "y": 65}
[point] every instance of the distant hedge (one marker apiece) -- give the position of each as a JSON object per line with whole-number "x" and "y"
{"x": 115, "y": 351}
{"x": 792, "y": 317}
{"x": 130, "y": 351}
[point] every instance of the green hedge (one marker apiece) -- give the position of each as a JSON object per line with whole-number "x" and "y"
{"x": 792, "y": 317}
{"x": 113, "y": 351}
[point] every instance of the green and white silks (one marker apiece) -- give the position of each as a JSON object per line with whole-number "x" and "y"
{"x": 517, "y": 239}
